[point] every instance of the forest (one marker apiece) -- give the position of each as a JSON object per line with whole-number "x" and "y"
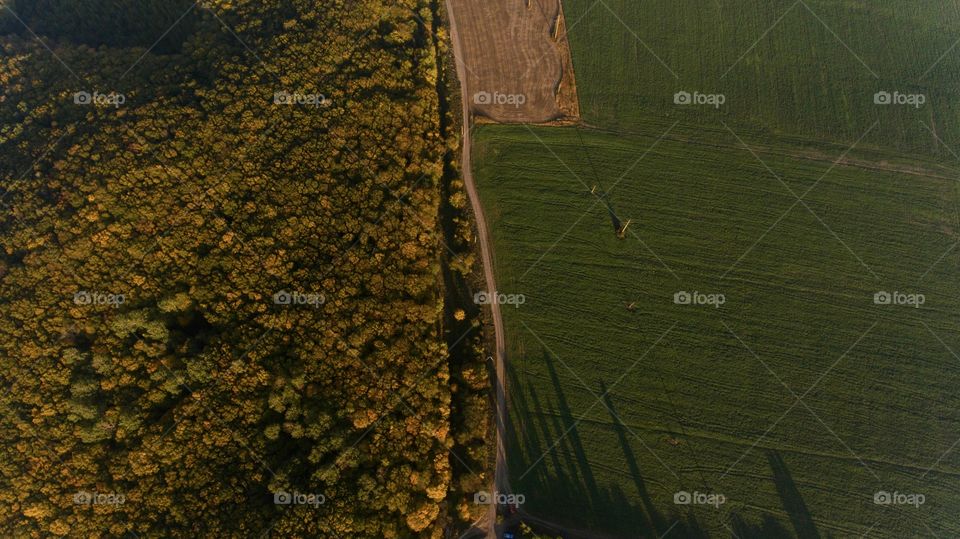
{"x": 222, "y": 311}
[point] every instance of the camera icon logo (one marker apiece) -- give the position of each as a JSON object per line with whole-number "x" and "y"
{"x": 482, "y": 98}
{"x": 283, "y": 298}
{"x": 282, "y": 98}
{"x": 882, "y": 498}
{"x": 683, "y": 298}
{"x": 882, "y": 98}
{"x": 682, "y": 98}
{"x": 883, "y": 298}
{"x": 482, "y": 498}
{"x": 682, "y": 498}
{"x": 482, "y": 298}
{"x": 83, "y": 498}
{"x": 282, "y": 498}
{"x": 82, "y": 298}
{"x": 82, "y": 98}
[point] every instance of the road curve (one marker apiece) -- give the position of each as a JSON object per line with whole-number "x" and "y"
{"x": 501, "y": 482}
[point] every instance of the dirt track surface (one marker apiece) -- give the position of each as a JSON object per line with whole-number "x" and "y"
{"x": 501, "y": 481}
{"x": 516, "y": 59}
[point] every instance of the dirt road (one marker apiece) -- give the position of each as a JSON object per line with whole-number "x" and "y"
{"x": 501, "y": 483}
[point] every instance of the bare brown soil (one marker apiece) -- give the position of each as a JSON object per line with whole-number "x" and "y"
{"x": 517, "y": 60}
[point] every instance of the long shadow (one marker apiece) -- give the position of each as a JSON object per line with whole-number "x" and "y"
{"x": 768, "y": 528}
{"x": 567, "y": 417}
{"x": 792, "y": 500}
{"x": 604, "y": 194}
{"x": 563, "y": 488}
{"x": 550, "y": 450}
{"x": 654, "y": 521}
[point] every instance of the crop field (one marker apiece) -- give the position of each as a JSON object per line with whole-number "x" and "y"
{"x": 806, "y": 68}
{"x": 784, "y": 385}
{"x": 515, "y": 68}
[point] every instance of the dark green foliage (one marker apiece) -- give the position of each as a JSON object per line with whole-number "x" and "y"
{"x": 116, "y": 23}
{"x": 197, "y": 199}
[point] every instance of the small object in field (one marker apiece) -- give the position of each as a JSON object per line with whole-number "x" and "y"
{"x": 623, "y": 229}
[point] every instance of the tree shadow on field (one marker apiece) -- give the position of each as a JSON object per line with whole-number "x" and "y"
{"x": 792, "y": 500}
{"x": 566, "y": 416}
{"x": 769, "y": 528}
{"x": 561, "y": 485}
{"x": 654, "y": 521}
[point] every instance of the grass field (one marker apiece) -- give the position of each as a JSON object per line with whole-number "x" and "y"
{"x": 808, "y": 68}
{"x": 621, "y": 398}
{"x": 686, "y": 405}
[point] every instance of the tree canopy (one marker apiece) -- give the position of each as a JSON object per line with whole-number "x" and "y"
{"x": 211, "y": 296}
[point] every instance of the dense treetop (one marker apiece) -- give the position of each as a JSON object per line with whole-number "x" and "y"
{"x": 154, "y": 203}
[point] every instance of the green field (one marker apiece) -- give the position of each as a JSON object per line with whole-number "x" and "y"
{"x": 620, "y": 397}
{"x": 799, "y": 299}
{"x": 814, "y": 73}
